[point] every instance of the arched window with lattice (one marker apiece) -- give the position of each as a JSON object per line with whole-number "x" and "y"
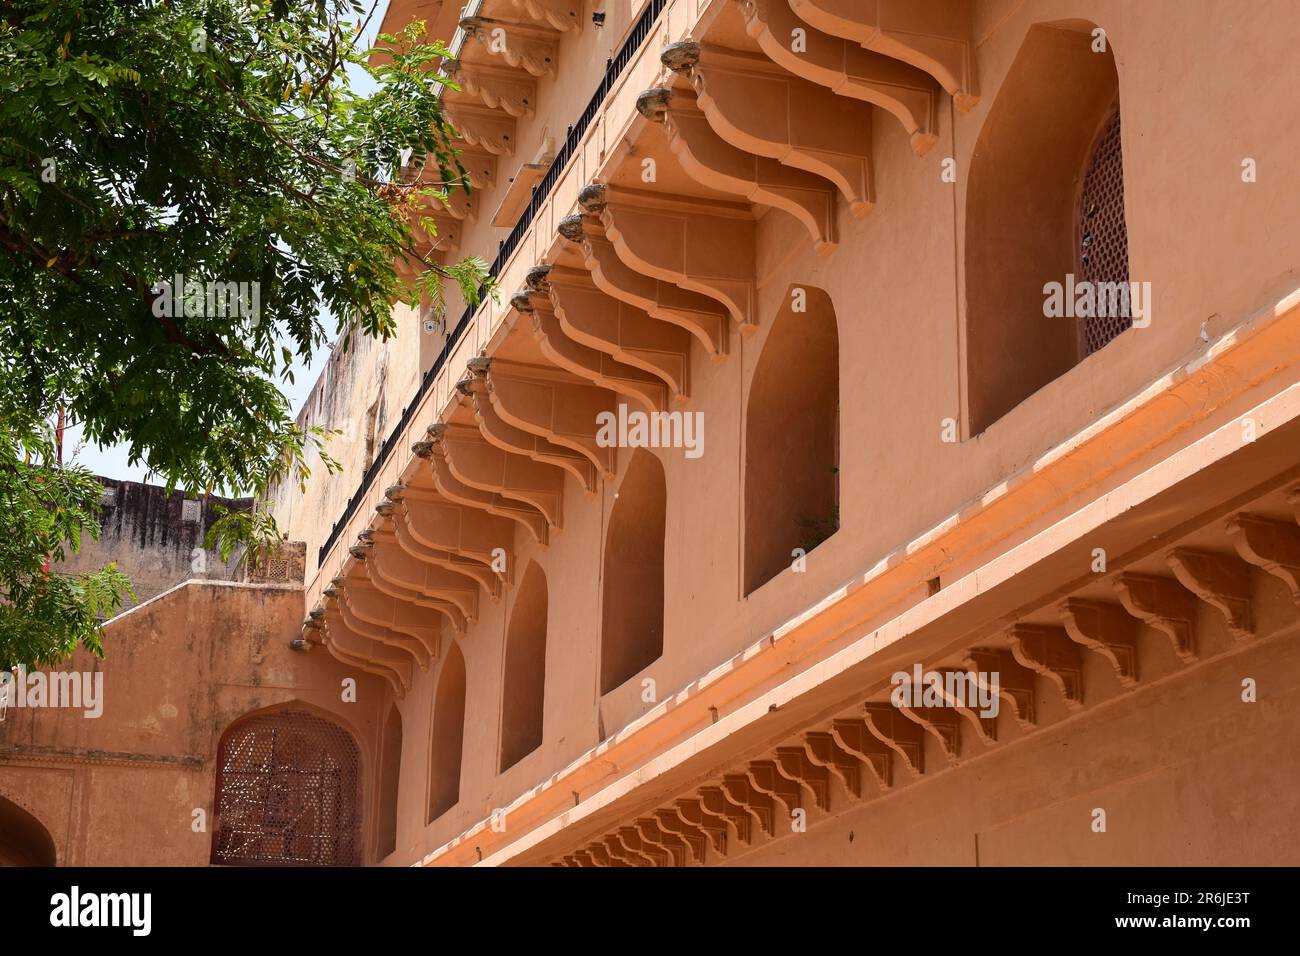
{"x": 1046, "y": 243}
{"x": 288, "y": 793}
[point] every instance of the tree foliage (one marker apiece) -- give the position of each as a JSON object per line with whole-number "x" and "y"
{"x": 44, "y": 510}
{"x": 222, "y": 142}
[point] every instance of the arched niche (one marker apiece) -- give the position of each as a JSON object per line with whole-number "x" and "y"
{"x": 524, "y": 685}
{"x": 792, "y": 437}
{"x": 632, "y": 623}
{"x": 390, "y": 768}
{"x": 1045, "y": 205}
{"x": 448, "y": 736}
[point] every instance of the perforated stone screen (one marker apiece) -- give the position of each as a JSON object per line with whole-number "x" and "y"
{"x": 1103, "y": 235}
{"x": 288, "y": 793}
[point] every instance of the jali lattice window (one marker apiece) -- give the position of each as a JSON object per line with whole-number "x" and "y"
{"x": 1103, "y": 235}
{"x": 288, "y": 793}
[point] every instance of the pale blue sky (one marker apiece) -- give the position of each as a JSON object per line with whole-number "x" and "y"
{"x": 111, "y": 462}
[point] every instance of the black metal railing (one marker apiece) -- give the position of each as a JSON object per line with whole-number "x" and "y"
{"x": 614, "y": 68}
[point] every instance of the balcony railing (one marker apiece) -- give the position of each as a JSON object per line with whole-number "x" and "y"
{"x": 614, "y": 68}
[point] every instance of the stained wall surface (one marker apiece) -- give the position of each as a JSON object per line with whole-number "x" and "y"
{"x": 1205, "y": 93}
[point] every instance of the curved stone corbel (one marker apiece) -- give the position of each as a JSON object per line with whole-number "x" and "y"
{"x": 701, "y": 245}
{"x": 632, "y": 839}
{"x": 909, "y": 94}
{"x": 904, "y": 737}
{"x": 656, "y": 836}
{"x": 367, "y": 571}
{"x": 1272, "y": 546}
{"x": 600, "y": 855}
{"x": 431, "y": 581}
{"x": 1015, "y": 681}
{"x": 585, "y": 362}
{"x": 343, "y": 651}
{"x": 760, "y": 108}
{"x": 563, "y": 15}
{"x": 1048, "y": 650}
{"x": 931, "y": 35}
{"x": 1161, "y": 603}
{"x": 696, "y": 842}
{"x": 622, "y": 331}
{"x": 698, "y": 314}
{"x": 633, "y": 855}
{"x": 384, "y": 582}
{"x": 1107, "y": 629}
{"x": 471, "y": 567}
{"x": 986, "y": 728}
{"x": 482, "y": 465}
{"x": 527, "y": 47}
{"x": 370, "y": 612}
{"x": 439, "y": 524}
{"x": 741, "y": 792}
{"x": 713, "y": 826}
{"x": 941, "y": 723}
{"x": 488, "y": 129}
{"x": 497, "y": 431}
{"x": 1221, "y": 581}
{"x": 375, "y": 613}
{"x": 856, "y": 738}
{"x": 768, "y": 779}
{"x": 620, "y": 855}
{"x": 825, "y": 751}
{"x": 715, "y": 802}
{"x": 715, "y": 163}
{"x": 370, "y": 655}
{"x": 496, "y": 87}
{"x": 794, "y": 764}
{"x": 480, "y": 165}
{"x": 554, "y": 405}
{"x": 450, "y": 486}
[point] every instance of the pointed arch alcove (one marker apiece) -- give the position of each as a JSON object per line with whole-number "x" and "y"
{"x": 1045, "y": 202}
{"x": 632, "y": 622}
{"x": 792, "y": 437}
{"x": 523, "y": 693}
{"x": 448, "y": 737}
{"x": 390, "y": 768}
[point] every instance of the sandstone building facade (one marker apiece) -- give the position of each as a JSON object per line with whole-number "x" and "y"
{"x": 836, "y": 340}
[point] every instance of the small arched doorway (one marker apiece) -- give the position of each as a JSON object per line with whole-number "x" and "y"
{"x": 288, "y": 793}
